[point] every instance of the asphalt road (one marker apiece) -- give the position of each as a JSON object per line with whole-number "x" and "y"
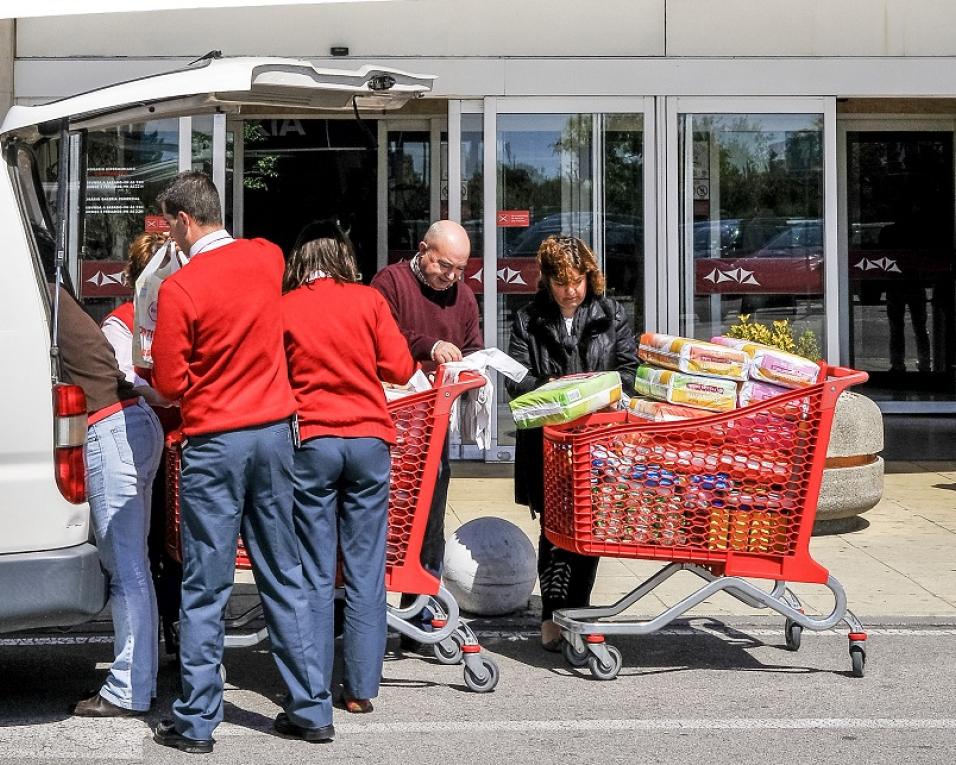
{"x": 706, "y": 692}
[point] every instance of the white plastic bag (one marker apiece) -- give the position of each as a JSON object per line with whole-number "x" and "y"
{"x": 167, "y": 261}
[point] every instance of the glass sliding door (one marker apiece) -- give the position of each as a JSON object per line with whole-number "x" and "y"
{"x": 750, "y": 220}
{"x": 577, "y": 172}
{"x": 900, "y": 259}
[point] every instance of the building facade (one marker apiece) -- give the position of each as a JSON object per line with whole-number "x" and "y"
{"x": 778, "y": 160}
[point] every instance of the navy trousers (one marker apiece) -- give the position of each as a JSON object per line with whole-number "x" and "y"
{"x": 232, "y": 480}
{"x": 341, "y": 504}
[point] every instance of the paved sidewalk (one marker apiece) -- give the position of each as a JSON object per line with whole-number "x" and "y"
{"x": 901, "y": 564}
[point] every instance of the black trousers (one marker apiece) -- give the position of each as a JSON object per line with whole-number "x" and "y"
{"x": 566, "y": 578}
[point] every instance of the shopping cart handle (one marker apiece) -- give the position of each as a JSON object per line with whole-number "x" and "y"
{"x": 467, "y": 380}
{"x": 846, "y": 375}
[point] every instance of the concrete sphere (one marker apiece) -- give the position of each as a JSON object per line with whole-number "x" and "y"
{"x": 490, "y": 566}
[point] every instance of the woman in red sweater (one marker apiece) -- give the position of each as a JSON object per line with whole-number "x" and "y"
{"x": 341, "y": 342}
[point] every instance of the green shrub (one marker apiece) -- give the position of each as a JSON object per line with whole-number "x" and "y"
{"x": 779, "y": 334}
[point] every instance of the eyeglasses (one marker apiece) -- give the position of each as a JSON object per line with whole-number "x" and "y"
{"x": 447, "y": 267}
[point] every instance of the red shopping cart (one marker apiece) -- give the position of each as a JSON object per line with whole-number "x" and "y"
{"x": 725, "y": 497}
{"x": 421, "y": 422}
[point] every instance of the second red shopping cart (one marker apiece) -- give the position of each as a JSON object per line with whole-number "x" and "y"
{"x": 421, "y": 422}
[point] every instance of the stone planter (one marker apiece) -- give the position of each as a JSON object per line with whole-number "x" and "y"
{"x": 853, "y": 478}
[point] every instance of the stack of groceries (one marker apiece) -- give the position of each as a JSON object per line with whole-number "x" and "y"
{"x": 732, "y": 499}
{"x": 681, "y": 378}
{"x": 736, "y": 500}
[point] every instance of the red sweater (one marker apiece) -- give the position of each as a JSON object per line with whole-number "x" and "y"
{"x": 341, "y": 340}
{"x": 426, "y": 316}
{"x": 218, "y": 342}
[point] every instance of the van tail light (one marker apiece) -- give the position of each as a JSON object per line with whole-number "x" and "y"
{"x": 69, "y": 440}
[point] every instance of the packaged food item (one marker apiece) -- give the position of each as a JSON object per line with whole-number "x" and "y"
{"x": 753, "y": 531}
{"x": 711, "y": 393}
{"x": 566, "y": 399}
{"x": 682, "y": 354}
{"x": 661, "y": 411}
{"x": 754, "y": 391}
{"x": 772, "y": 365}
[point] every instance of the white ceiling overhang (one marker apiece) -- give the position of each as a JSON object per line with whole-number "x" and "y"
{"x": 14, "y": 9}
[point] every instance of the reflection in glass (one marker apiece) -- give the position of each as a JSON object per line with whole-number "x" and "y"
{"x": 126, "y": 168}
{"x": 751, "y": 221}
{"x": 567, "y": 174}
{"x": 472, "y": 178}
{"x": 900, "y": 262}
{"x": 300, "y": 170}
{"x": 409, "y": 202}
{"x": 623, "y": 206}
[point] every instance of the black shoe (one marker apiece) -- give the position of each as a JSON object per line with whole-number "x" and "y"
{"x": 285, "y": 727}
{"x": 167, "y": 735}
{"x": 97, "y": 706}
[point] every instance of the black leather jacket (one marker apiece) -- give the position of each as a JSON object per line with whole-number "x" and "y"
{"x": 601, "y": 340}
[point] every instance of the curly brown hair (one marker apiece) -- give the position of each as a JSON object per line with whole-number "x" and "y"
{"x": 141, "y": 251}
{"x": 559, "y": 255}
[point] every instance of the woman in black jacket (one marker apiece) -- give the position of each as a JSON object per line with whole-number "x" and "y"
{"x": 570, "y": 326}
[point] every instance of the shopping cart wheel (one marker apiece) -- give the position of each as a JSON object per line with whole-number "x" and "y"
{"x": 792, "y": 633}
{"x": 573, "y": 656}
{"x": 490, "y": 680}
{"x": 448, "y": 651}
{"x": 857, "y": 660}
{"x": 602, "y": 672}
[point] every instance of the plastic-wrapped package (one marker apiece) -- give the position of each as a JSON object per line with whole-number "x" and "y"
{"x": 682, "y": 354}
{"x": 714, "y": 394}
{"x": 772, "y": 365}
{"x": 661, "y": 411}
{"x": 566, "y": 399}
{"x": 754, "y": 391}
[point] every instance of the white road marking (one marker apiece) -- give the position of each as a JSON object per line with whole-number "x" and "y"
{"x": 124, "y": 739}
{"x": 523, "y": 634}
{"x": 609, "y": 726}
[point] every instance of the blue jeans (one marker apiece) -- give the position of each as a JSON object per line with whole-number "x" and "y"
{"x": 341, "y": 501}
{"x": 122, "y": 455}
{"x": 231, "y": 480}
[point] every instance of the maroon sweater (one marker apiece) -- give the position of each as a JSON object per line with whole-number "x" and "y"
{"x": 426, "y": 316}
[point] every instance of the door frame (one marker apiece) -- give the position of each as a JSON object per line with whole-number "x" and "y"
{"x": 861, "y": 123}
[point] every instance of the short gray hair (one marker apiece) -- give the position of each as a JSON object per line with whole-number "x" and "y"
{"x": 195, "y": 194}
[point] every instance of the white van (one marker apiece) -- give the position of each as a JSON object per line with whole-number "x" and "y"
{"x": 49, "y": 570}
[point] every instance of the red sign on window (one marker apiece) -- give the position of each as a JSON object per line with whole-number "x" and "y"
{"x": 514, "y": 218}
{"x": 155, "y": 223}
{"x": 103, "y": 278}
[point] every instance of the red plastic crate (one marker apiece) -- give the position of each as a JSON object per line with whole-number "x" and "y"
{"x": 736, "y": 491}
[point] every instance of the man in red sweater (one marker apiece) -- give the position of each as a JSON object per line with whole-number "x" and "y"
{"x": 439, "y": 318}
{"x": 218, "y": 349}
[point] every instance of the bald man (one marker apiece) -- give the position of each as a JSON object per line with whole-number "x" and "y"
{"x": 439, "y": 318}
